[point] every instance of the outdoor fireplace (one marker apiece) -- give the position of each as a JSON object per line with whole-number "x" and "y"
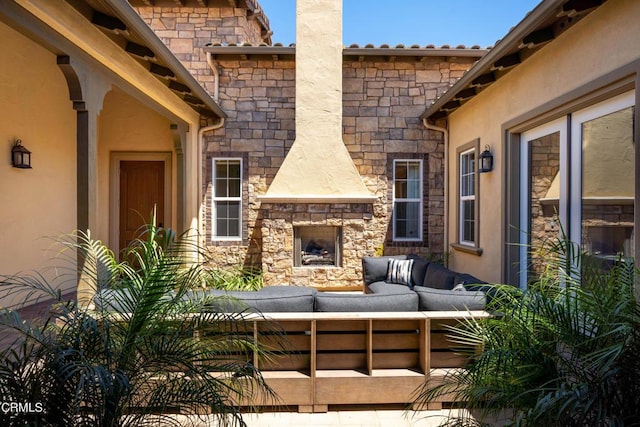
{"x": 320, "y": 245}
{"x": 317, "y": 246}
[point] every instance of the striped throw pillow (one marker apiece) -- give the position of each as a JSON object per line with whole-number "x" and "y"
{"x": 399, "y": 271}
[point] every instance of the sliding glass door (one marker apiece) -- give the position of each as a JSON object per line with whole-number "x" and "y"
{"x": 544, "y": 193}
{"x": 604, "y": 202}
{"x": 577, "y": 173}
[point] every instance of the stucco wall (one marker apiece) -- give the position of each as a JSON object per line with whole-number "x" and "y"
{"x": 40, "y": 203}
{"x": 603, "y": 41}
{"x": 126, "y": 125}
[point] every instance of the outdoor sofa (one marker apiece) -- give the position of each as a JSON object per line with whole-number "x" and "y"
{"x": 430, "y": 287}
{"x": 374, "y": 348}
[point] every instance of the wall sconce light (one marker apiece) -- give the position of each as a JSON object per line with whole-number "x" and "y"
{"x": 20, "y": 156}
{"x": 486, "y": 160}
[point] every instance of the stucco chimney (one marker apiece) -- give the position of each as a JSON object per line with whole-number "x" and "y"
{"x": 318, "y": 167}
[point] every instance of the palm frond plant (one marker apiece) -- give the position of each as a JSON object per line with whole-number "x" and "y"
{"x": 235, "y": 279}
{"x": 562, "y": 353}
{"x": 146, "y": 345}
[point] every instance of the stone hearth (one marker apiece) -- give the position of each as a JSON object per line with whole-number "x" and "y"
{"x": 351, "y": 220}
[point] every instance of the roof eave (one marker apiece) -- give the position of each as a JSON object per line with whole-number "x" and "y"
{"x": 347, "y": 51}
{"x": 455, "y": 52}
{"x": 131, "y": 18}
{"x": 513, "y": 38}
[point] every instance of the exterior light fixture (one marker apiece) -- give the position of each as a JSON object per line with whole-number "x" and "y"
{"x": 486, "y": 160}
{"x": 20, "y": 156}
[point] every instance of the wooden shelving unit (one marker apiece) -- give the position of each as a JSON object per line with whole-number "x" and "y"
{"x": 354, "y": 358}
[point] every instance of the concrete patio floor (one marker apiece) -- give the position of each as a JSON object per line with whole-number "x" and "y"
{"x": 343, "y": 417}
{"x": 348, "y": 418}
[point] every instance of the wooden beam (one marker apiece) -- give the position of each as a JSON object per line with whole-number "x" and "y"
{"x": 161, "y": 71}
{"x": 439, "y": 115}
{"x": 194, "y": 100}
{"x": 140, "y": 51}
{"x": 507, "y": 61}
{"x": 179, "y": 87}
{"x": 451, "y": 105}
{"x": 574, "y": 7}
{"x": 483, "y": 80}
{"x": 465, "y": 94}
{"x": 108, "y": 22}
{"x": 538, "y": 37}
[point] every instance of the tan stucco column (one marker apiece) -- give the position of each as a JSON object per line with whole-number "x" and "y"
{"x": 191, "y": 180}
{"x": 318, "y": 168}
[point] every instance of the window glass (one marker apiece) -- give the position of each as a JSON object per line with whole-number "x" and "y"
{"x": 467, "y": 228}
{"x": 608, "y": 186}
{"x": 227, "y": 198}
{"x": 544, "y": 196}
{"x": 468, "y": 221}
{"x": 407, "y": 203}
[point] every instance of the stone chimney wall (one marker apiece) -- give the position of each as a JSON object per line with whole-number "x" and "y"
{"x": 382, "y": 103}
{"x": 186, "y": 30}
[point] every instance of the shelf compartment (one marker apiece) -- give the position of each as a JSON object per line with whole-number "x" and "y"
{"x": 291, "y": 388}
{"x": 355, "y": 387}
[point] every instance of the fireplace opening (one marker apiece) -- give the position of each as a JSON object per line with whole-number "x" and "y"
{"x": 317, "y": 245}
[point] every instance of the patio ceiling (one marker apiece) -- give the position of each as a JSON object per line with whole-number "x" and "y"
{"x": 119, "y": 21}
{"x": 542, "y": 25}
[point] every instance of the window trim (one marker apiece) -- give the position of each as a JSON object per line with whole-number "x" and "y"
{"x": 214, "y": 199}
{"x": 419, "y": 199}
{"x": 472, "y": 247}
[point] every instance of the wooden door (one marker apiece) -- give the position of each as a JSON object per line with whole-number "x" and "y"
{"x": 141, "y": 189}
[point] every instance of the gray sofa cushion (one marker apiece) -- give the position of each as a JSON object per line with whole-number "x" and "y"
{"x": 374, "y": 268}
{"x": 389, "y": 288}
{"x": 439, "y": 277}
{"x": 367, "y": 302}
{"x": 419, "y": 270}
{"x": 431, "y": 299}
{"x": 468, "y": 279}
{"x": 275, "y": 299}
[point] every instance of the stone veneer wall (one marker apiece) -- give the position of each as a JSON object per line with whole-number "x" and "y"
{"x": 277, "y": 243}
{"x": 186, "y": 30}
{"x": 258, "y": 97}
{"x": 382, "y": 102}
